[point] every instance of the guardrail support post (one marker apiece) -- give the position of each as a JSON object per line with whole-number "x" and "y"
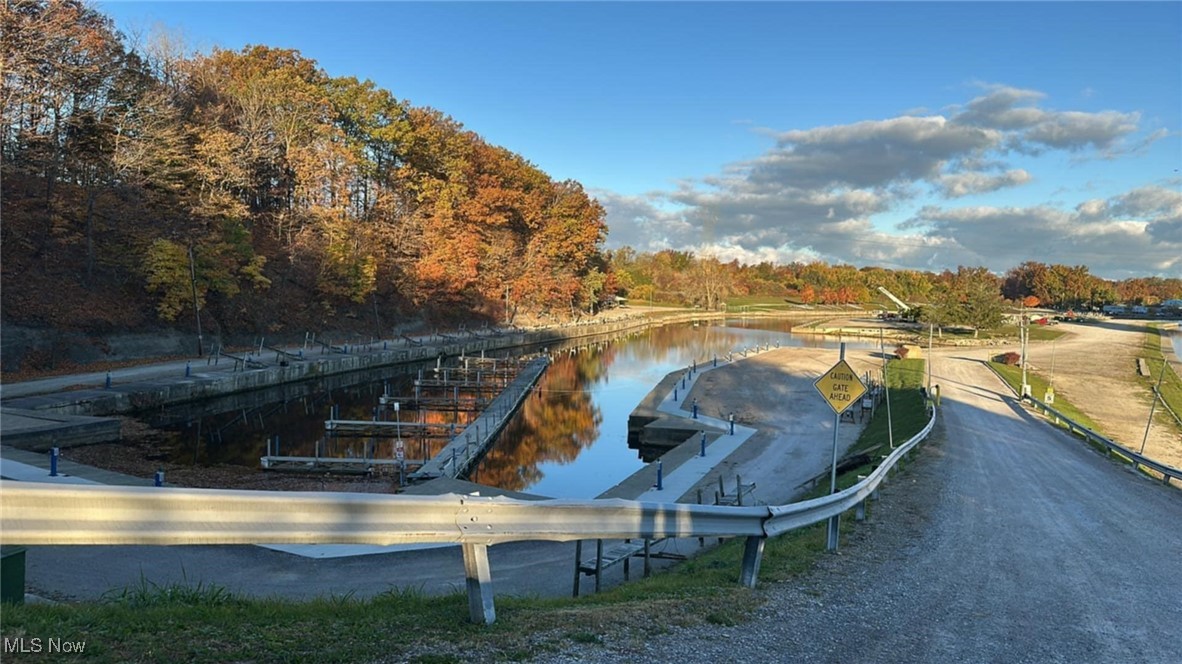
{"x": 860, "y": 511}
{"x": 578, "y": 564}
{"x": 479, "y": 579}
{"x": 598, "y": 562}
{"x": 834, "y": 533}
{"x": 752, "y": 557}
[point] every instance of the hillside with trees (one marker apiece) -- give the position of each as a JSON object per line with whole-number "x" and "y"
{"x": 142, "y": 184}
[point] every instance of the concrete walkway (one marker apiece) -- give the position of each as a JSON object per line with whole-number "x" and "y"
{"x": 676, "y": 484}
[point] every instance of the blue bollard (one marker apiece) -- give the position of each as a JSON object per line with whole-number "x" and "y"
{"x": 660, "y": 476}
{"x": 383, "y": 345}
{"x": 695, "y": 409}
{"x": 715, "y": 360}
{"x": 675, "y": 394}
{"x": 732, "y": 424}
{"x": 159, "y": 478}
{"x": 53, "y": 455}
{"x": 703, "y": 453}
{"x": 301, "y": 353}
{"x": 188, "y": 369}
{"x": 108, "y": 383}
{"x": 683, "y": 381}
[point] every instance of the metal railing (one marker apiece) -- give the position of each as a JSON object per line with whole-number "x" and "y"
{"x": 34, "y": 513}
{"x": 1110, "y": 446}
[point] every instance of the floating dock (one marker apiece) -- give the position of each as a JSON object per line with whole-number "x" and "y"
{"x": 456, "y": 458}
{"x": 466, "y": 443}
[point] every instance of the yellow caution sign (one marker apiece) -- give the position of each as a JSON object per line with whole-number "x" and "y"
{"x": 840, "y": 386}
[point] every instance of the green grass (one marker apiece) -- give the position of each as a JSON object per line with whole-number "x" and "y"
{"x": 207, "y": 623}
{"x": 1038, "y": 388}
{"x": 735, "y": 305}
{"x": 1171, "y": 384}
{"x": 1037, "y": 332}
{"x": 907, "y": 410}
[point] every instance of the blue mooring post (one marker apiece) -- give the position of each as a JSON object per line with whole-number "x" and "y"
{"x": 682, "y": 382}
{"x": 695, "y": 409}
{"x": 703, "y": 452}
{"x": 188, "y": 369}
{"x": 675, "y": 394}
{"x": 159, "y": 478}
{"x": 108, "y": 383}
{"x": 660, "y": 476}
{"x": 732, "y": 424}
{"x": 53, "y": 455}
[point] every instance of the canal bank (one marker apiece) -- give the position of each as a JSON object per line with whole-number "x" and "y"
{"x": 270, "y": 374}
{"x": 569, "y": 440}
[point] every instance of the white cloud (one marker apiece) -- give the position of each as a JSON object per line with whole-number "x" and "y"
{"x": 1034, "y": 129}
{"x": 1113, "y": 237}
{"x": 963, "y": 184}
{"x": 816, "y": 192}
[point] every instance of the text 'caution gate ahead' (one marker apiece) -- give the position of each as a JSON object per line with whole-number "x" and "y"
{"x": 840, "y": 387}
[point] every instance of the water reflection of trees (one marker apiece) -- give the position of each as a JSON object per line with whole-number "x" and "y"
{"x": 554, "y": 425}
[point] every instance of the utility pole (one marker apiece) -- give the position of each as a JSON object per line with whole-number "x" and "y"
{"x": 1156, "y": 396}
{"x": 196, "y": 306}
{"x": 931, "y": 328}
{"x": 886, "y": 386}
{"x": 1023, "y": 333}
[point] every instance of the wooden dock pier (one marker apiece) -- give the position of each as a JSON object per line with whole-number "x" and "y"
{"x": 468, "y": 446}
{"x": 465, "y": 443}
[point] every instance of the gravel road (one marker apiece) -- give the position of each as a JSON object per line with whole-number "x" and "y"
{"x": 1008, "y": 541}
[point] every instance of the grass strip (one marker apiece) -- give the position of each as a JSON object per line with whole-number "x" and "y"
{"x": 1171, "y": 385}
{"x": 908, "y": 414}
{"x": 1038, "y": 388}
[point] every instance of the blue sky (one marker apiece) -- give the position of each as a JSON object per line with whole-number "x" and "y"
{"x": 923, "y": 135}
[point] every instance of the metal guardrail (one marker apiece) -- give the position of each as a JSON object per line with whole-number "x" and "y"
{"x": 1111, "y": 446}
{"x": 34, "y": 513}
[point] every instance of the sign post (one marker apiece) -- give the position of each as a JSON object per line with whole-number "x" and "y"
{"x": 841, "y": 388}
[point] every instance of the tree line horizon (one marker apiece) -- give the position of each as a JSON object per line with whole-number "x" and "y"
{"x": 145, "y": 185}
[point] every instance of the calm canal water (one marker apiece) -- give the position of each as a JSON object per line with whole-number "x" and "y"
{"x": 569, "y": 440}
